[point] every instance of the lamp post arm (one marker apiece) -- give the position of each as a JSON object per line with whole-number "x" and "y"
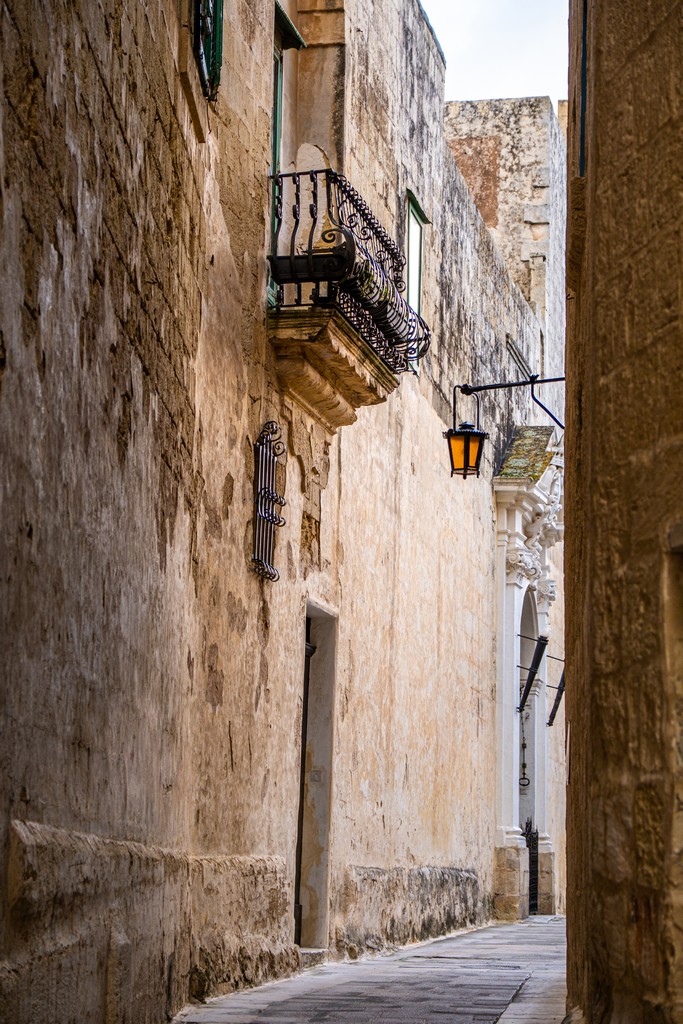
{"x": 534, "y": 379}
{"x": 545, "y": 408}
{"x": 558, "y": 698}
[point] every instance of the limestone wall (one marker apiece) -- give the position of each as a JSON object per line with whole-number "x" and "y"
{"x": 625, "y": 403}
{"x": 556, "y": 767}
{"x": 506, "y": 151}
{"x": 430, "y": 673}
{"x": 151, "y": 712}
{"x": 134, "y": 682}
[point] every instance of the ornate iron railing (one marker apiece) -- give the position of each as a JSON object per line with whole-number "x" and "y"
{"x": 326, "y": 236}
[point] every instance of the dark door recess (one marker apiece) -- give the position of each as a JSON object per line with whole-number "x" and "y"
{"x": 531, "y": 836}
{"x": 310, "y": 651}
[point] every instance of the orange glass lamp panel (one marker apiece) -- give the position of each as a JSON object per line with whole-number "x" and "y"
{"x": 465, "y": 446}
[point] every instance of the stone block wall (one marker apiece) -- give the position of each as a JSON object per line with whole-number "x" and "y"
{"x": 387, "y": 906}
{"x": 513, "y": 159}
{"x": 73, "y": 895}
{"x": 511, "y": 892}
{"x": 623, "y": 512}
{"x": 132, "y": 264}
{"x": 547, "y": 901}
{"x": 473, "y": 306}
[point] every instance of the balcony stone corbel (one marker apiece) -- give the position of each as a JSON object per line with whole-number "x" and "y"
{"x": 325, "y": 366}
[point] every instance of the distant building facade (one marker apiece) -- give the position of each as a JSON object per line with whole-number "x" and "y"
{"x": 263, "y": 657}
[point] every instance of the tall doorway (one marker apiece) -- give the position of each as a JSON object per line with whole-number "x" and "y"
{"x": 311, "y": 876}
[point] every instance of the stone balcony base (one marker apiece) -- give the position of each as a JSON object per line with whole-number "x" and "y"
{"x": 324, "y": 364}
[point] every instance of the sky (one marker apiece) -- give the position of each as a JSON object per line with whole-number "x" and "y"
{"x": 502, "y": 48}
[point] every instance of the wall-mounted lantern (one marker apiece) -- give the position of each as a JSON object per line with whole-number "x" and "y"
{"x": 465, "y": 444}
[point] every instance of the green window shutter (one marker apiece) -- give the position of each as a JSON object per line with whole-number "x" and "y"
{"x": 208, "y": 44}
{"x": 290, "y": 37}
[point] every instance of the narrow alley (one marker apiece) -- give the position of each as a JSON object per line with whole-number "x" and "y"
{"x": 505, "y": 972}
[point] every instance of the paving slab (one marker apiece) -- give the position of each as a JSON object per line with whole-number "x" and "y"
{"x": 503, "y": 973}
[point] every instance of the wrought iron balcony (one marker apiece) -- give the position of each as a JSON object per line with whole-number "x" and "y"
{"x": 325, "y": 236}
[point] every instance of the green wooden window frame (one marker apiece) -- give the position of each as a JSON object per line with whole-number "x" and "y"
{"x": 286, "y": 37}
{"x": 275, "y": 145}
{"x": 289, "y": 36}
{"x": 276, "y": 116}
{"x": 415, "y": 222}
{"x": 208, "y": 44}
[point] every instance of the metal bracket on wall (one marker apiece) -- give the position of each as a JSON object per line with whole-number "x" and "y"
{"x": 539, "y": 651}
{"x": 532, "y": 382}
{"x": 268, "y": 451}
{"x": 558, "y": 698}
{"x": 559, "y": 690}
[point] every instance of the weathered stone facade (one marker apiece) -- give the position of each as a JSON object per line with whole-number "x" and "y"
{"x": 514, "y": 163}
{"x": 624, "y": 455}
{"x": 153, "y": 700}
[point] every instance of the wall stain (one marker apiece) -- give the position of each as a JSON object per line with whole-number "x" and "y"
{"x": 214, "y": 679}
{"x": 228, "y": 492}
{"x": 3, "y": 358}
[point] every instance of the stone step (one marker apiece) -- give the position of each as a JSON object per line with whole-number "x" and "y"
{"x": 312, "y": 957}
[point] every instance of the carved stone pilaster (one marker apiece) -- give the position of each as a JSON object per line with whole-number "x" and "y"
{"x": 529, "y": 521}
{"x": 546, "y": 592}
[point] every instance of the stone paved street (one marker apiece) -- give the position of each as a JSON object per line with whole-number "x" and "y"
{"x": 506, "y": 972}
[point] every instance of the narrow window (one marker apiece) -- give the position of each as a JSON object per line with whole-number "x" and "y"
{"x": 275, "y": 147}
{"x": 416, "y": 223}
{"x": 286, "y": 37}
{"x": 276, "y": 121}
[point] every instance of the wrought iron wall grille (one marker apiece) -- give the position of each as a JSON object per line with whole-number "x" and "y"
{"x": 325, "y": 236}
{"x": 208, "y": 44}
{"x": 267, "y": 453}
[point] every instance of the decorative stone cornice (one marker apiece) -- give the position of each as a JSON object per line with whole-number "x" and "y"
{"x": 530, "y": 521}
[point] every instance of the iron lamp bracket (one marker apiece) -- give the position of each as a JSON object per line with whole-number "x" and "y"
{"x": 532, "y": 382}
